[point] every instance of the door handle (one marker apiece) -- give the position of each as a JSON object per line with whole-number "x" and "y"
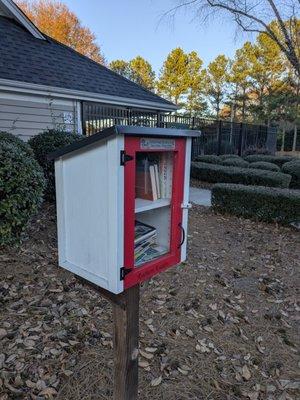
{"x": 182, "y": 235}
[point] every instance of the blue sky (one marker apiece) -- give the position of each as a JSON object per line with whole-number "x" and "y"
{"x": 126, "y": 28}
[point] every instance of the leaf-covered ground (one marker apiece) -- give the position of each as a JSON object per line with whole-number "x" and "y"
{"x": 223, "y": 326}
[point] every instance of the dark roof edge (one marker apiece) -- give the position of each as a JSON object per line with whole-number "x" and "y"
{"x": 123, "y": 130}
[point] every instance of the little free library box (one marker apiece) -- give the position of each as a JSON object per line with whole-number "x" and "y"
{"x": 122, "y": 204}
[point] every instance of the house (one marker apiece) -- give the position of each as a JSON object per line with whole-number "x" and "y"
{"x": 45, "y": 84}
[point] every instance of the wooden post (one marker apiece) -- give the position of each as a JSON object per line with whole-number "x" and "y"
{"x": 126, "y": 337}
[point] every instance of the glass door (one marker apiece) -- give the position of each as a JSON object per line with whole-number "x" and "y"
{"x": 153, "y": 214}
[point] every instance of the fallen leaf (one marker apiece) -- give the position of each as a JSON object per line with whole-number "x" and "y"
{"x": 156, "y": 381}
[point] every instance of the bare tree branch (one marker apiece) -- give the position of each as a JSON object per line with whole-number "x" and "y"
{"x": 255, "y": 17}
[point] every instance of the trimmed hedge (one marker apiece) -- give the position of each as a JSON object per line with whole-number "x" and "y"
{"x": 21, "y": 188}
{"x": 219, "y": 173}
{"x": 211, "y": 159}
{"x": 42, "y": 145}
{"x": 293, "y": 168}
{"x": 225, "y": 156}
{"x": 10, "y": 138}
{"x": 278, "y": 160}
{"x": 257, "y": 202}
{"x": 256, "y": 150}
{"x": 267, "y": 166}
{"x": 235, "y": 162}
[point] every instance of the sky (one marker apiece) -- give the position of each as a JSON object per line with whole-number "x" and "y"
{"x": 127, "y": 28}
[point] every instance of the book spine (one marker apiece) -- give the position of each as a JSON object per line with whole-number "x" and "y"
{"x": 153, "y": 182}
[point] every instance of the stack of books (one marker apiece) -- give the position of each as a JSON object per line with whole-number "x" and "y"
{"x": 145, "y": 247}
{"x": 154, "y": 177}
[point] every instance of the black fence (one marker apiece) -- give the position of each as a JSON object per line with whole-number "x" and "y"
{"x": 218, "y": 137}
{"x": 289, "y": 142}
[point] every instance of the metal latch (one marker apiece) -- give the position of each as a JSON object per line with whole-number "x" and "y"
{"x": 124, "y": 157}
{"x": 186, "y": 205}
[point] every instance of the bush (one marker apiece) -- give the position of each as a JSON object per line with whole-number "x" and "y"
{"x": 211, "y": 147}
{"x": 42, "y": 145}
{"x": 278, "y": 160}
{"x": 267, "y": 166}
{"x": 10, "y": 138}
{"x": 211, "y": 159}
{"x": 225, "y": 156}
{"x": 256, "y": 151}
{"x": 219, "y": 173}
{"x": 293, "y": 168}
{"x": 257, "y": 202}
{"x": 21, "y": 188}
{"x": 235, "y": 162}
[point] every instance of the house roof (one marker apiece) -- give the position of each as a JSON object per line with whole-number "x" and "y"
{"x": 140, "y": 131}
{"x": 26, "y": 58}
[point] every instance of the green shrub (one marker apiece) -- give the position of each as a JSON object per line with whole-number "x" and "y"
{"x": 21, "y": 188}
{"x": 256, "y": 151}
{"x": 42, "y": 145}
{"x": 10, "y": 138}
{"x": 257, "y": 202}
{"x": 219, "y": 173}
{"x": 235, "y": 162}
{"x": 225, "y": 156}
{"x": 293, "y": 168}
{"x": 267, "y": 166}
{"x": 211, "y": 159}
{"x": 211, "y": 147}
{"x": 278, "y": 160}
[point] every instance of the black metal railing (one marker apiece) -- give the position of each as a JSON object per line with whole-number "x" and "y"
{"x": 218, "y": 137}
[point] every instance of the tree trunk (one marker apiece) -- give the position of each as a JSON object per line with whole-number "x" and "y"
{"x": 295, "y": 138}
{"x": 283, "y": 139}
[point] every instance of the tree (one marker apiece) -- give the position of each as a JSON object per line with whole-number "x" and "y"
{"x": 195, "y": 102}
{"x": 217, "y": 78}
{"x": 174, "y": 78}
{"x": 142, "y": 73}
{"x": 255, "y": 16}
{"x": 56, "y": 20}
{"x": 121, "y": 67}
{"x": 266, "y": 71}
{"x": 138, "y": 70}
{"x": 239, "y": 78}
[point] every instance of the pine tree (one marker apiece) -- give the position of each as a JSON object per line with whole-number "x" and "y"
{"x": 174, "y": 78}
{"x": 217, "y": 82}
{"x": 121, "y": 67}
{"x": 141, "y": 72}
{"x": 196, "y": 105}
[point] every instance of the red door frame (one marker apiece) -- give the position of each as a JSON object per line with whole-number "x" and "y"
{"x": 142, "y": 273}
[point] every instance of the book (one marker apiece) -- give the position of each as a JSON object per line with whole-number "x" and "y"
{"x": 166, "y": 174}
{"x": 150, "y": 254}
{"x": 143, "y": 188}
{"x": 153, "y": 182}
{"x": 142, "y": 231}
{"x": 157, "y": 181}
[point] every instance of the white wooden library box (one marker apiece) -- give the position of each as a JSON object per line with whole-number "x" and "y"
{"x": 122, "y": 204}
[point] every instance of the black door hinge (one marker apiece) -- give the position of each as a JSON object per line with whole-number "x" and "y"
{"x": 123, "y": 272}
{"x": 124, "y": 157}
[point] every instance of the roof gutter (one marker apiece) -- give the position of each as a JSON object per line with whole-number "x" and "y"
{"x": 52, "y": 91}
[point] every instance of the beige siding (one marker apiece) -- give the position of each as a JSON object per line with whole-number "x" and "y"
{"x": 26, "y": 115}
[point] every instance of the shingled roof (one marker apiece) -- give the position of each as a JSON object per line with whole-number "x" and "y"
{"x": 24, "y": 58}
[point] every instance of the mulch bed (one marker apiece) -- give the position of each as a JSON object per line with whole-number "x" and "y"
{"x": 223, "y": 326}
